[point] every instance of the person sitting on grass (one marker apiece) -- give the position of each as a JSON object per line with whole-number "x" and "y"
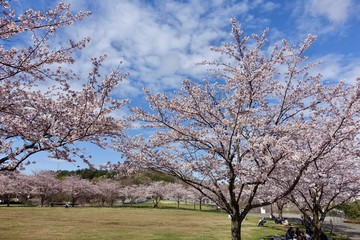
{"x": 261, "y": 222}
{"x": 278, "y": 221}
{"x": 290, "y": 233}
{"x": 285, "y": 222}
{"x": 299, "y": 235}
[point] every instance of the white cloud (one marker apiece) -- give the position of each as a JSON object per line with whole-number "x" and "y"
{"x": 158, "y": 43}
{"x": 270, "y": 6}
{"x": 324, "y": 16}
{"x": 335, "y": 11}
{"x": 335, "y": 68}
{"x": 264, "y": 5}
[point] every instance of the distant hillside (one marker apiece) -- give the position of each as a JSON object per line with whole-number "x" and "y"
{"x": 139, "y": 177}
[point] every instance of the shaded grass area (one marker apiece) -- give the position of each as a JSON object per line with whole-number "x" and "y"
{"x": 123, "y": 223}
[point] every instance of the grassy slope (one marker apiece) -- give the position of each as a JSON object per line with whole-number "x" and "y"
{"x": 122, "y": 223}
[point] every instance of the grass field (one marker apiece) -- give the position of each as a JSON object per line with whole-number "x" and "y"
{"x": 34, "y": 223}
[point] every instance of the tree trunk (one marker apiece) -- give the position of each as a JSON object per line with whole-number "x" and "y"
{"x": 73, "y": 202}
{"x": 8, "y": 197}
{"x": 280, "y": 208}
{"x": 316, "y": 232}
{"x": 317, "y": 222}
{"x": 42, "y": 200}
{"x": 235, "y": 228}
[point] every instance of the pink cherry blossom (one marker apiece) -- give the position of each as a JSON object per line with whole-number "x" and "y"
{"x": 39, "y": 112}
{"x": 262, "y": 120}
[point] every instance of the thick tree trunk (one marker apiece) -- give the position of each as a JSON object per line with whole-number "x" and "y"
{"x": 7, "y": 199}
{"x": 235, "y": 228}
{"x": 73, "y": 202}
{"x": 42, "y": 202}
{"x": 316, "y": 232}
{"x": 317, "y": 222}
{"x": 280, "y": 208}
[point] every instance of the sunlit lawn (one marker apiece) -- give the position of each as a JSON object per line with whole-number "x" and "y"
{"x": 122, "y": 223}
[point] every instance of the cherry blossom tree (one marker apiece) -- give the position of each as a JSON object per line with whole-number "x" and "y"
{"x": 22, "y": 187}
{"x": 45, "y": 185}
{"x": 107, "y": 190}
{"x": 261, "y": 119}
{"x": 134, "y": 192}
{"x": 157, "y": 191}
{"x": 121, "y": 192}
{"x": 280, "y": 204}
{"x": 197, "y": 196}
{"x": 178, "y": 192}
{"x": 15, "y": 185}
{"x": 7, "y": 187}
{"x": 76, "y": 188}
{"x": 327, "y": 183}
{"x": 42, "y": 107}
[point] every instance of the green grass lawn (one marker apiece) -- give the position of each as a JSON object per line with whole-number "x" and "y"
{"x": 123, "y": 223}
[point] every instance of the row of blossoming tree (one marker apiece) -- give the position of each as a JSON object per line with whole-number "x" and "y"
{"x": 47, "y": 189}
{"x": 261, "y": 129}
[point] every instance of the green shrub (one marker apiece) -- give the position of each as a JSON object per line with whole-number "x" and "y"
{"x": 351, "y": 210}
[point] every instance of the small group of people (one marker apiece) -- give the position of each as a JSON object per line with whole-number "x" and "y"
{"x": 296, "y": 234}
{"x": 283, "y": 221}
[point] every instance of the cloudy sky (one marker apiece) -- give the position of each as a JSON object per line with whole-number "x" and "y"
{"x": 159, "y": 42}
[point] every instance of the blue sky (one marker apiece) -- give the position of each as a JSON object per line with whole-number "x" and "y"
{"x": 160, "y": 41}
